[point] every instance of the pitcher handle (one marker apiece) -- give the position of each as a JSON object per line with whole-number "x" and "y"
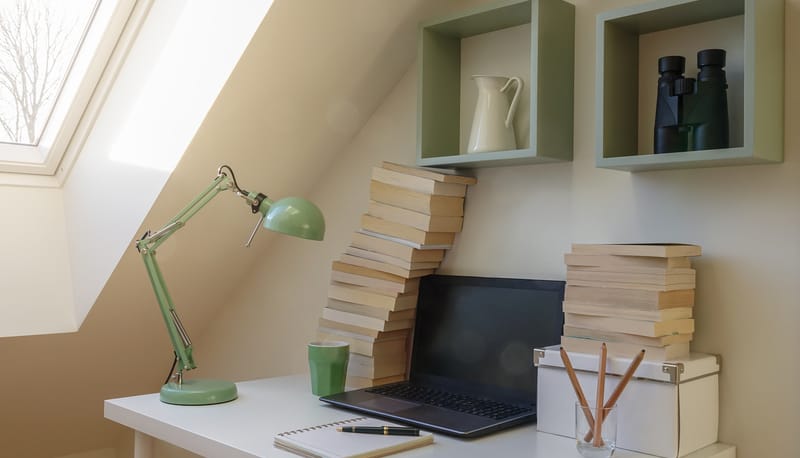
{"x": 515, "y": 101}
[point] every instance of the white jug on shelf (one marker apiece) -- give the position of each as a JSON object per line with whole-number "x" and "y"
{"x": 492, "y": 124}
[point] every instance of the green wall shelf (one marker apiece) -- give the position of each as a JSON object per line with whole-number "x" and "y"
{"x": 618, "y": 52}
{"x": 551, "y": 83}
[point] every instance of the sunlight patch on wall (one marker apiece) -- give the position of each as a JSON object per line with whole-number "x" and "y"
{"x": 148, "y": 139}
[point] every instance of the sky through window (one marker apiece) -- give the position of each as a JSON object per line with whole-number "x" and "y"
{"x": 38, "y": 43}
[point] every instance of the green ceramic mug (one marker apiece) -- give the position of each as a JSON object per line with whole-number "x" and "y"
{"x": 327, "y": 361}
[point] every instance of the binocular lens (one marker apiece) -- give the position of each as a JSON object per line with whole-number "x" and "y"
{"x": 713, "y": 57}
{"x": 671, "y": 64}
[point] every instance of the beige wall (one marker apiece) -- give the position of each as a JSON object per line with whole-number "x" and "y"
{"x": 519, "y": 222}
{"x": 101, "y": 453}
{"x": 33, "y": 243}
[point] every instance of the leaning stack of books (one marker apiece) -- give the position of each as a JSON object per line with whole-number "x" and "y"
{"x": 631, "y": 297}
{"x": 413, "y": 216}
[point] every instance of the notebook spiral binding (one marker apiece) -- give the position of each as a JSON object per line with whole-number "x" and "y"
{"x": 327, "y": 425}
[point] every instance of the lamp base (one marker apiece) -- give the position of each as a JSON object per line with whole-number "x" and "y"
{"x": 198, "y": 392}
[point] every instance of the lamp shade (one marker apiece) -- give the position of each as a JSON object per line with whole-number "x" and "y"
{"x": 297, "y": 217}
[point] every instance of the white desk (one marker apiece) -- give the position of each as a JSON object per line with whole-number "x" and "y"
{"x": 246, "y": 426}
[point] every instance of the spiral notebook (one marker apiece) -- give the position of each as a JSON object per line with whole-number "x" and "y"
{"x": 323, "y": 441}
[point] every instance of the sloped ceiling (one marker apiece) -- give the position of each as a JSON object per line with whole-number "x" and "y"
{"x": 312, "y": 75}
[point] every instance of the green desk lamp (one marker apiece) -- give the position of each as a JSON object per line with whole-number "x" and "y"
{"x": 291, "y": 215}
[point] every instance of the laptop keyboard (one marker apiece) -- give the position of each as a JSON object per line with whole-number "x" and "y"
{"x": 458, "y": 402}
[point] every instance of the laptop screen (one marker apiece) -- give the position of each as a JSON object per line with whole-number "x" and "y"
{"x": 477, "y": 335}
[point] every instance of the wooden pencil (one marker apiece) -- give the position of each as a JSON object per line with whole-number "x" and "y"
{"x": 618, "y": 390}
{"x": 601, "y": 382}
{"x": 625, "y": 379}
{"x": 577, "y": 387}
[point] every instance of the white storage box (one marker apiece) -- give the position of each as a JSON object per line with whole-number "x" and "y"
{"x": 668, "y": 409}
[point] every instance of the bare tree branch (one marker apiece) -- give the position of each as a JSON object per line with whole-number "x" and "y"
{"x": 33, "y": 60}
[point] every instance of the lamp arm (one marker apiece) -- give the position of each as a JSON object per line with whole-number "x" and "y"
{"x": 150, "y": 241}
{"x": 177, "y": 334}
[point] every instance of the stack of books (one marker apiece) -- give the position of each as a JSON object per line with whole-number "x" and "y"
{"x": 631, "y": 297}
{"x": 412, "y": 218}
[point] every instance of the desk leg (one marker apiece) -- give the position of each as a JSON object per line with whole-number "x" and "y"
{"x": 142, "y": 445}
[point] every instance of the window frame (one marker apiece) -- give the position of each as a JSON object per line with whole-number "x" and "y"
{"x": 72, "y": 108}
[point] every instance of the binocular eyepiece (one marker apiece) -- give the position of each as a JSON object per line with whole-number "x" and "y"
{"x": 692, "y": 113}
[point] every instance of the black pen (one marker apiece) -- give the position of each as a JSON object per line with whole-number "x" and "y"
{"x": 385, "y": 430}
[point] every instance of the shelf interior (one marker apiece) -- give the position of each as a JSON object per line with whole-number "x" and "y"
{"x": 631, "y": 48}
{"x": 655, "y": 17}
{"x": 532, "y": 40}
{"x": 492, "y": 41}
{"x": 483, "y": 20}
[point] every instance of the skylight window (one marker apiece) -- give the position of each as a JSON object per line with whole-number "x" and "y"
{"x": 52, "y": 54}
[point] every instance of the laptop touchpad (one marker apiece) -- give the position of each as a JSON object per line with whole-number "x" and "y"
{"x": 387, "y": 404}
{"x": 457, "y": 421}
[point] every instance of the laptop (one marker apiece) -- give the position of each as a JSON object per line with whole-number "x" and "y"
{"x": 472, "y": 369}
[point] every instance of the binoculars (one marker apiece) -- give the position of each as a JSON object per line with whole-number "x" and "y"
{"x": 692, "y": 114}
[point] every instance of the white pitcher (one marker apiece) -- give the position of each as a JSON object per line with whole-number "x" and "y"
{"x": 492, "y": 124}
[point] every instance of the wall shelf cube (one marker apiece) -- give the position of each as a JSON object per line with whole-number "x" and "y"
{"x": 547, "y": 130}
{"x": 626, "y": 79}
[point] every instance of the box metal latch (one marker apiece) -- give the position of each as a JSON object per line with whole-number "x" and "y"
{"x": 674, "y": 370}
{"x": 537, "y": 354}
